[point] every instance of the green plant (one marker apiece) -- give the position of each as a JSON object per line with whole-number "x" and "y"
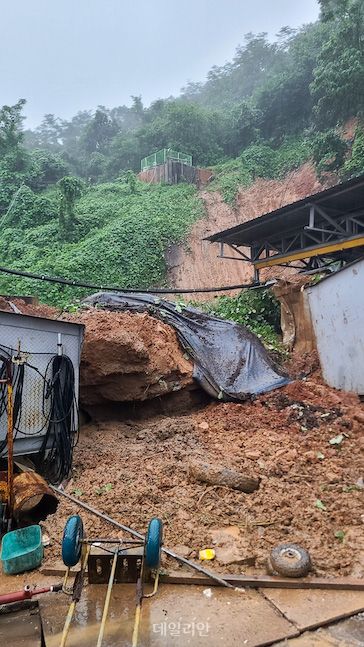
{"x": 328, "y": 151}
{"x": 119, "y": 239}
{"x": 70, "y": 189}
{"x": 320, "y": 505}
{"x": 104, "y": 489}
{"x": 355, "y": 165}
{"x": 258, "y": 310}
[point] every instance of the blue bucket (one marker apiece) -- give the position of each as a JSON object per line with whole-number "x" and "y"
{"x": 22, "y": 550}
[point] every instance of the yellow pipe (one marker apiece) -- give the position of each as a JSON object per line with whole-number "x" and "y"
{"x": 107, "y": 600}
{"x": 10, "y": 443}
{"x": 308, "y": 252}
{"x": 72, "y": 606}
{"x": 134, "y": 641}
{"x": 71, "y": 610}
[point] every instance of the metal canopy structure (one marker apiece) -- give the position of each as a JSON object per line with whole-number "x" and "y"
{"x": 320, "y": 229}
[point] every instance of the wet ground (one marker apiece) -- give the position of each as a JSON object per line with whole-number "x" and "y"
{"x": 194, "y": 616}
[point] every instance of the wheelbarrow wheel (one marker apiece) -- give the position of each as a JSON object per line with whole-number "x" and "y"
{"x": 290, "y": 560}
{"x": 72, "y": 541}
{"x": 153, "y": 543}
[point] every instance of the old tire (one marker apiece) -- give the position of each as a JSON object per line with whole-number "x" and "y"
{"x": 153, "y": 543}
{"x": 290, "y": 560}
{"x": 72, "y": 541}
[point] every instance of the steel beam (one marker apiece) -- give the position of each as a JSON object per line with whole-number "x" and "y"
{"x": 318, "y": 250}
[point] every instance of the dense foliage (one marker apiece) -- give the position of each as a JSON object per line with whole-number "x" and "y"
{"x": 258, "y": 310}
{"x": 260, "y": 160}
{"x": 121, "y": 239}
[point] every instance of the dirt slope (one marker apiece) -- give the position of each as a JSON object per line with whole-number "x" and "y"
{"x": 196, "y": 264}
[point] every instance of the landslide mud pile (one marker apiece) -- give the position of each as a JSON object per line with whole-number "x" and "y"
{"x": 125, "y": 356}
{"x": 305, "y": 444}
{"x": 129, "y": 357}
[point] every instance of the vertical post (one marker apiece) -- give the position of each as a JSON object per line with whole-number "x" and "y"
{"x": 10, "y": 439}
{"x": 311, "y": 223}
{"x": 256, "y": 275}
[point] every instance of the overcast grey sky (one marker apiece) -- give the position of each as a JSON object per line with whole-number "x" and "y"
{"x": 68, "y": 55}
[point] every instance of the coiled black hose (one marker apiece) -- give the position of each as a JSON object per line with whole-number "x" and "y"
{"x": 60, "y": 414}
{"x": 54, "y": 460}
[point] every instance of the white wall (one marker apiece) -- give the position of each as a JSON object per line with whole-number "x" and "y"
{"x": 337, "y": 310}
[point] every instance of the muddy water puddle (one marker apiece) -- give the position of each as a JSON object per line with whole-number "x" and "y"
{"x": 185, "y": 615}
{"x": 178, "y": 615}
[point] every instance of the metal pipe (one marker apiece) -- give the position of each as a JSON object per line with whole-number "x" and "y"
{"x": 10, "y": 441}
{"x": 27, "y": 593}
{"x": 72, "y": 606}
{"x": 167, "y": 551}
{"x": 107, "y": 600}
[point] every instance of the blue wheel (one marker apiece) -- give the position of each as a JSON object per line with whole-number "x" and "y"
{"x": 153, "y": 543}
{"x": 72, "y": 541}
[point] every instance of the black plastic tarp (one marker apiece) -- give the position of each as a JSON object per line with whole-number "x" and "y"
{"x": 230, "y": 363}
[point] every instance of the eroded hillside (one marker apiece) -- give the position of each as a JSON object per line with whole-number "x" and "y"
{"x": 196, "y": 263}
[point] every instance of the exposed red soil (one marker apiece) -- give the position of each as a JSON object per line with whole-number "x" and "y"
{"x": 28, "y": 308}
{"x": 282, "y": 437}
{"x": 196, "y": 263}
{"x": 129, "y": 357}
{"x": 125, "y": 356}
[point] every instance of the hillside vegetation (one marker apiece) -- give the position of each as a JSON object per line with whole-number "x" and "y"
{"x": 119, "y": 239}
{"x": 70, "y": 203}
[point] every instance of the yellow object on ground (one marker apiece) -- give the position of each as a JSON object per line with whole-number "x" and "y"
{"x": 206, "y": 554}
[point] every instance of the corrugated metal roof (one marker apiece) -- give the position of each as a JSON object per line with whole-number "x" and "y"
{"x": 343, "y": 198}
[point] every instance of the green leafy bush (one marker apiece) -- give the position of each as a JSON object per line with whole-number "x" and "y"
{"x": 328, "y": 151}
{"x": 259, "y": 160}
{"x": 258, "y": 310}
{"x": 355, "y": 165}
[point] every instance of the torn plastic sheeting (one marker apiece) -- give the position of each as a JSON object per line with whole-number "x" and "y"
{"x": 230, "y": 363}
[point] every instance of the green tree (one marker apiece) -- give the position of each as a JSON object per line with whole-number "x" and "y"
{"x": 284, "y": 99}
{"x": 47, "y": 135}
{"x": 99, "y": 132}
{"x": 71, "y": 189}
{"x": 45, "y": 169}
{"x": 11, "y": 133}
{"x": 338, "y": 84}
{"x": 328, "y": 151}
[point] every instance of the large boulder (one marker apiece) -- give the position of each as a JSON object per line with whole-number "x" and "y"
{"x": 129, "y": 356}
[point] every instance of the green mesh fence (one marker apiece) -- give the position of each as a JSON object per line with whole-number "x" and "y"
{"x": 160, "y": 157}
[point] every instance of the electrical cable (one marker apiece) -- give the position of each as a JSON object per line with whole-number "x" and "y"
{"x": 60, "y": 413}
{"x": 91, "y": 286}
{"x": 55, "y": 455}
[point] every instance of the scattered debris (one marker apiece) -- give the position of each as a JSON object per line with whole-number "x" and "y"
{"x": 217, "y": 475}
{"x": 206, "y": 554}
